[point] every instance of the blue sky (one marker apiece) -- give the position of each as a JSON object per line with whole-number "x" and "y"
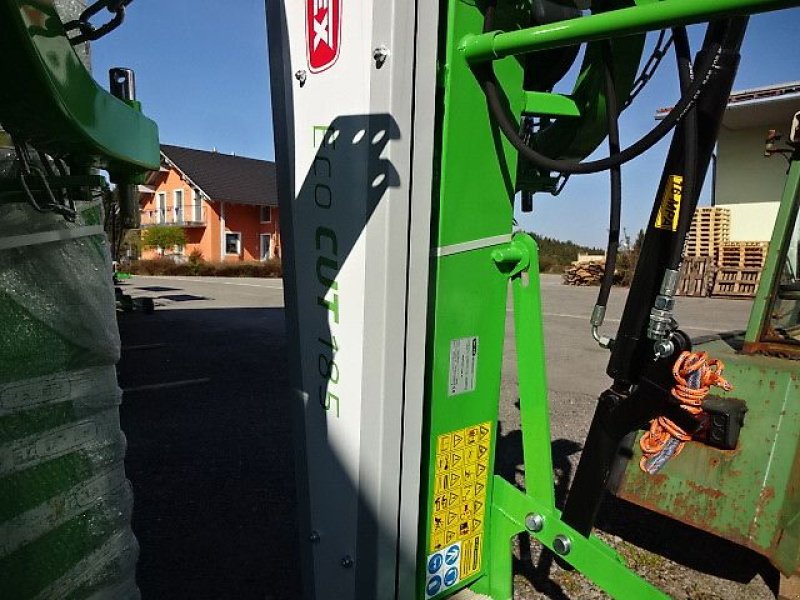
{"x": 202, "y": 74}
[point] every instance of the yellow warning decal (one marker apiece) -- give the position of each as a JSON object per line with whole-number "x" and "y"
{"x": 670, "y": 209}
{"x": 458, "y": 505}
{"x": 471, "y": 550}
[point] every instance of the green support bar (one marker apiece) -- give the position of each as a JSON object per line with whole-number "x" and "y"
{"x": 611, "y": 24}
{"x": 513, "y": 511}
{"x": 781, "y": 236}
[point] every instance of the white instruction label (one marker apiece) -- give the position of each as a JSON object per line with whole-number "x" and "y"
{"x": 463, "y": 365}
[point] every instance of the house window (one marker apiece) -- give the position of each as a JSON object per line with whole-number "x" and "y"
{"x": 233, "y": 243}
{"x": 266, "y": 246}
{"x": 198, "y": 208}
{"x": 266, "y": 214}
{"x": 177, "y": 205}
{"x": 161, "y": 208}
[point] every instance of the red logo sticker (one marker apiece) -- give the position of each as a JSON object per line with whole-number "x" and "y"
{"x": 323, "y": 27}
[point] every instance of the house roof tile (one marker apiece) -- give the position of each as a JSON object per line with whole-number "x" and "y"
{"x": 226, "y": 177}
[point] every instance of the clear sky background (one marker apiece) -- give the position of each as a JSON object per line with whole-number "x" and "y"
{"x": 202, "y": 74}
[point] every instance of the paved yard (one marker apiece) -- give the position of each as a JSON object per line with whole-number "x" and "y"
{"x": 210, "y": 450}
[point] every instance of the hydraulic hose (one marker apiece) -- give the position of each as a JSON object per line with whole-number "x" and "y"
{"x": 615, "y": 211}
{"x": 507, "y": 124}
{"x": 661, "y": 318}
{"x": 690, "y": 143}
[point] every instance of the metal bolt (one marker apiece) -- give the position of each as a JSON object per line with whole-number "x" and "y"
{"x": 301, "y": 76}
{"x": 534, "y": 522}
{"x": 347, "y": 562}
{"x": 562, "y": 545}
{"x": 313, "y": 537}
{"x": 663, "y": 349}
{"x": 380, "y": 54}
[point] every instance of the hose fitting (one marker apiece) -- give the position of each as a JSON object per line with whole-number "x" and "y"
{"x": 662, "y": 323}
{"x": 598, "y": 316}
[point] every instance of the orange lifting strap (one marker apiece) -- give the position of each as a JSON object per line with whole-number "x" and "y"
{"x": 694, "y": 374}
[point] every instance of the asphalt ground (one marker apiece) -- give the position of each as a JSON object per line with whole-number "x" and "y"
{"x": 210, "y": 454}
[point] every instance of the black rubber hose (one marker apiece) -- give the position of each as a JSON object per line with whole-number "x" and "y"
{"x": 615, "y": 212}
{"x": 497, "y": 107}
{"x": 690, "y": 149}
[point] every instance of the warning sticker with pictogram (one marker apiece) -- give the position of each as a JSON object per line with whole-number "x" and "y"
{"x": 458, "y": 506}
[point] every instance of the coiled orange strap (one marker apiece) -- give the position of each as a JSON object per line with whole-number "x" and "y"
{"x": 694, "y": 374}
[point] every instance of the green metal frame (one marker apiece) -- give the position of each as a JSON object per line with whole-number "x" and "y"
{"x": 611, "y": 24}
{"x": 50, "y": 100}
{"x": 476, "y": 258}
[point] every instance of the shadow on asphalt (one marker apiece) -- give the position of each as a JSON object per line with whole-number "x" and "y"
{"x": 211, "y": 464}
{"x": 154, "y": 288}
{"x": 180, "y": 297}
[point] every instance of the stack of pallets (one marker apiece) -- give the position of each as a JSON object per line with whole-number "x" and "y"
{"x": 709, "y": 230}
{"x": 697, "y": 276}
{"x": 743, "y": 255}
{"x": 740, "y": 266}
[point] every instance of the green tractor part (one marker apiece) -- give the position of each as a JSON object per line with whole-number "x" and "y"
{"x": 471, "y": 517}
{"x": 75, "y": 117}
{"x": 397, "y": 198}
{"x": 747, "y": 491}
{"x": 55, "y": 107}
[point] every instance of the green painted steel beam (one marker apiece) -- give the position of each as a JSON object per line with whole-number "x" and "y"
{"x": 773, "y": 266}
{"x": 510, "y": 507}
{"x": 590, "y": 556}
{"x": 611, "y": 24}
{"x": 49, "y": 99}
{"x": 550, "y": 105}
{"x": 532, "y": 376}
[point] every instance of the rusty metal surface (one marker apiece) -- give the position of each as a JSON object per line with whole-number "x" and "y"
{"x": 750, "y": 495}
{"x": 776, "y": 349}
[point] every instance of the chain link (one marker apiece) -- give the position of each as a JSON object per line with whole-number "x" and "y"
{"x": 650, "y": 67}
{"x": 90, "y": 33}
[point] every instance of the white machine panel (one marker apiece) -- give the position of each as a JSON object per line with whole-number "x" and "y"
{"x": 356, "y": 243}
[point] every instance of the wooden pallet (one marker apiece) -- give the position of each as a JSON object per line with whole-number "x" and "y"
{"x": 697, "y": 276}
{"x": 743, "y": 255}
{"x": 710, "y": 229}
{"x": 738, "y": 283}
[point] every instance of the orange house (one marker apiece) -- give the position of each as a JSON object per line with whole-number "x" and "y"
{"x": 227, "y": 205}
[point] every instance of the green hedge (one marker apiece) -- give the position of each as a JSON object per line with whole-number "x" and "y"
{"x": 166, "y": 266}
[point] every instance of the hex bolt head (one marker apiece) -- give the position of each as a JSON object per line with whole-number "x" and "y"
{"x": 301, "y": 76}
{"x": 313, "y": 537}
{"x": 379, "y": 55}
{"x": 347, "y": 562}
{"x": 534, "y": 522}
{"x": 562, "y": 545}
